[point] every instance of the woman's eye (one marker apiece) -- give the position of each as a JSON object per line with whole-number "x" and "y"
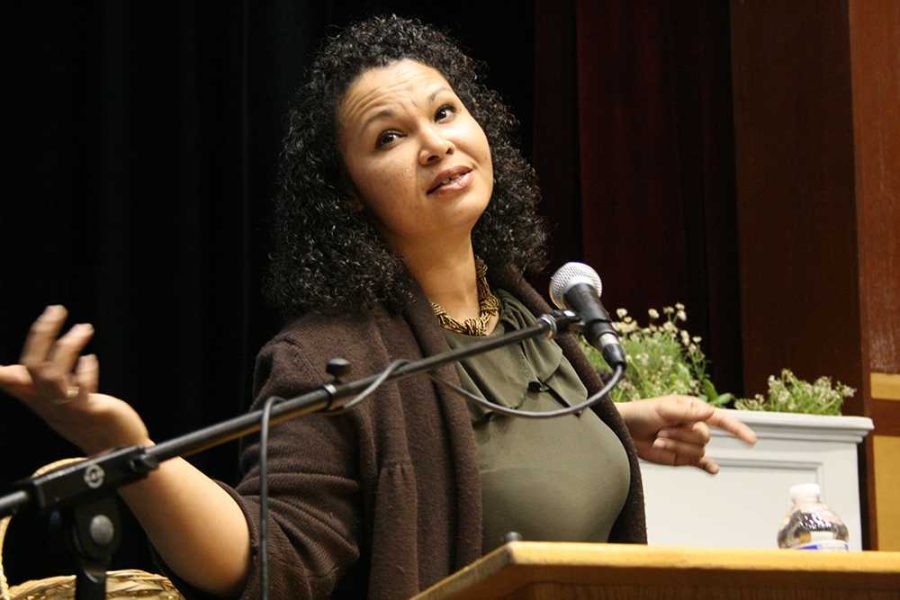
{"x": 386, "y": 138}
{"x": 444, "y": 112}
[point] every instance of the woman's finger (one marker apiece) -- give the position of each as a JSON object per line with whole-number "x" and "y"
{"x": 664, "y": 454}
{"x": 87, "y": 374}
{"x": 685, "y": 452}
{"x": 728, "y": 423}
{"x": 709, "y": 465}
{"x": 41, "y": 336}
{"x": 65, "y": 352}
{"x": 14, "y": 376}
{"x": 695, "y": 433}
{"x": 677, "y": 410}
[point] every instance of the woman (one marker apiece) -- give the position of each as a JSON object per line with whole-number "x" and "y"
{"x": 397, "y": 173}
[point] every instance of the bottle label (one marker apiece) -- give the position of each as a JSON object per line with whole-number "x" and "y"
{"x": 833, "y": 545}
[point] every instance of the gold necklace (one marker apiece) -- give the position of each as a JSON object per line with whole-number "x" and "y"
{"x": 488, "y": 306}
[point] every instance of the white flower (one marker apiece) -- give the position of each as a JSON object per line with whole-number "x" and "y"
{"x": 653, "y": 313}
{"x": 626, "y": 327}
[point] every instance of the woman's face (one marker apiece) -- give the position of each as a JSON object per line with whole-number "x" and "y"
{"x": 419, "y": 162}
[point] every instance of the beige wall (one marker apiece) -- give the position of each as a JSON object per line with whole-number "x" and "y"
{"x": 886, "y": 452}
{"x": 887, "y": 490}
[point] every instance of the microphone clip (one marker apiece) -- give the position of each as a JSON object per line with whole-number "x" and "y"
{"x": 561, "y": 321}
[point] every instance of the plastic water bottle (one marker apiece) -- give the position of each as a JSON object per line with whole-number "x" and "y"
{"x": 810, "y": 524}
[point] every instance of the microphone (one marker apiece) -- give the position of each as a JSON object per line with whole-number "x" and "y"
{"x": 577, "y": 287}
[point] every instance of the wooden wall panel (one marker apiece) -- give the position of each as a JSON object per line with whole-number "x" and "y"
{"x": 817, "y": 132}
{"x": 875, "y": 58}
{"x": 875, "y": 52}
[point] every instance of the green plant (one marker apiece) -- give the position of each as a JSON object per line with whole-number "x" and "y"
{"x": 788, "y": 393}
{"x": 662, "y": 359}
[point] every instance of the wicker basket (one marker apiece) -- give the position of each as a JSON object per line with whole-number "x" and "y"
{"x": 120, "y": 585}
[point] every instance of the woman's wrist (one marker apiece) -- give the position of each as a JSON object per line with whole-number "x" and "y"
{"x": 624, "y": 409}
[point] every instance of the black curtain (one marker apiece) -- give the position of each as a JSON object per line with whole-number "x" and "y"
{"x": 144, "y": 141}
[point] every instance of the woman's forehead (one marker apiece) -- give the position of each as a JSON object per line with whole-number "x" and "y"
{"x": 392, "y": 87}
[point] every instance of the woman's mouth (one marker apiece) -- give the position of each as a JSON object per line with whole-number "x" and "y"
{"x": 452, "y": 183}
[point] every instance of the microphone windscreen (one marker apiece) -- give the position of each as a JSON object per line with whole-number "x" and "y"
{"x": 571, "y": 274}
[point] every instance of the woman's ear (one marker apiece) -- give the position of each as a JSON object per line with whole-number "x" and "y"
{"x": 349, "y": 188}
{"x": 355, "y": 202}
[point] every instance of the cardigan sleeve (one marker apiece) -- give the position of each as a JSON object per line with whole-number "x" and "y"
{"x": 315, "y": 511}
{"x": 314, "y": 496}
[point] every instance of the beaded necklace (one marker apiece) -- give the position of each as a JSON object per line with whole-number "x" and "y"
{"x": 488, "y": 306}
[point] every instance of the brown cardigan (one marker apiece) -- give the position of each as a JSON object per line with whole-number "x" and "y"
{"x": 384, "y": 500}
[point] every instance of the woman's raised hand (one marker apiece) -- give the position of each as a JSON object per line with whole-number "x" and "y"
{"x": 674, "y": 430}
{"x": 60, "y": 384}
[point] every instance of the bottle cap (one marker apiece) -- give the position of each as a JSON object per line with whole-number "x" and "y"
{"x": 804, "y": 491}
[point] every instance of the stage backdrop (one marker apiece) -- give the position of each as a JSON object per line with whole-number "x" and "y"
{"x": 144, "y": 139}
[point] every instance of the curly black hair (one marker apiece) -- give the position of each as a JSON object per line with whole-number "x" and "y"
{"x": 327, "y": 255}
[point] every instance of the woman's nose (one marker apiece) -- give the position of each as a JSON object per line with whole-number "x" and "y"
{"x": 435, "y": 145}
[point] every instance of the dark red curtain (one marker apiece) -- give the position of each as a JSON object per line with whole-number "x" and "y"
{"x": 633, "y": 142}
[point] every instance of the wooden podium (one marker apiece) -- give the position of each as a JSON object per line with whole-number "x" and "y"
{"x": 545, "y": 571}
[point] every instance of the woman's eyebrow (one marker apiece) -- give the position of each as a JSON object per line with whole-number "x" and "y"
{"x": 388, "y": 113}
{"x": 434, "y": 94}
{"x": 381, "y": 114}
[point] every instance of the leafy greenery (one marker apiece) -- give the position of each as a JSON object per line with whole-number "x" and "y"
{"x": 788, "y": 393}
{"x": 662, "y": 359}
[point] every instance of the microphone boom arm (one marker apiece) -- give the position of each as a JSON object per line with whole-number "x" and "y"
{"x": 103, "y": 473}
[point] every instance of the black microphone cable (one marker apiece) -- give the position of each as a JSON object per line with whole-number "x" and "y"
{"x": 264, "y": 495}
{"x": 387, "y": 372}
{"x": 618, "y": 371}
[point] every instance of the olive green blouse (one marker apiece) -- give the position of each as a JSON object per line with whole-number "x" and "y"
{"x": 561, "y": 479}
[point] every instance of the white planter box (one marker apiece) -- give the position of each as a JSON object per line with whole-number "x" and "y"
{"x": 743, "y": 506}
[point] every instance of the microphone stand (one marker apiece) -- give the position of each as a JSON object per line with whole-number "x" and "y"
{"x": 84, "y": 492}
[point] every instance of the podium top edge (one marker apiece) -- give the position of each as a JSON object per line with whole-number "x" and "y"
{"x": 745, "y": 559}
